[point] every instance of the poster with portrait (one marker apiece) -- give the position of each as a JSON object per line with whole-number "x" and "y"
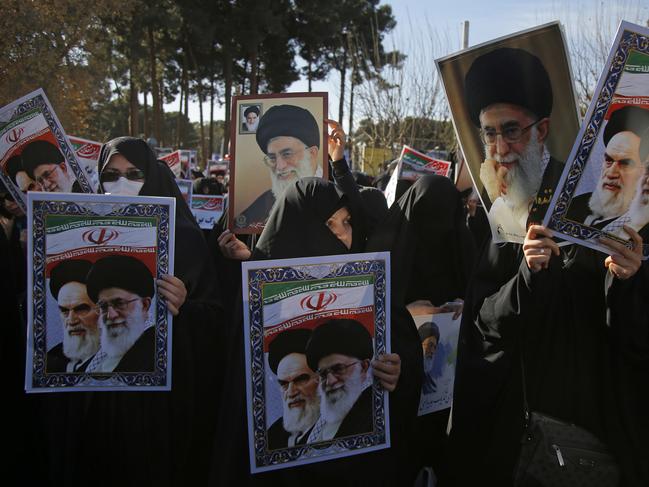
{"x": 513, "y": 107}
{"x": 605, "y": 183}
{"x": 287, "y": 141}
{"x": 312, "y": 327}
{"x": 207, "y": 209}
{"x": 87, "y": 152}
{"x": 438, "y": 334}
{"x": 411, "y": 166}
{"x": 95, "y": 318}
{"x": 186, "y": 187}
{"x": 35, "y": 154}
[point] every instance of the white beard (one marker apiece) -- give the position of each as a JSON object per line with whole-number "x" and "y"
{"x": 606, "y": 204}
{"x": 299, "y": 420}
{"x": 117, "y": 341}
{"x": 335, "y": 405}
{"x": 639, "y": 208}
{"x": 80, "y": 347}
{"x": 303, "y": 169}
{"x": 523, "y": 180}
{"x": 252, "y": 127}
{"x": 428, "y": 364}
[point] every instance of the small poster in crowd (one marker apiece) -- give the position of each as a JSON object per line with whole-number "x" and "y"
{"x": 87, "y": 152}
{"x": 186, "y": 186}
{"x": 276, "y": 140}
{"x": 605, "y": 184}
{"x": 95, "y": 318}
{"x": 411, "y": 166}
{"x": 438, "y": 334}
{"x": 207, "y": 209}
{"x": 35, "y": 154}
{"x": 312, "y": 328}
{"x": 173, "y": 161}
{"x": 513, "y": 107}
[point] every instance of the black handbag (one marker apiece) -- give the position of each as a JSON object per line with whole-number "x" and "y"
{"x": 555, "y": 453}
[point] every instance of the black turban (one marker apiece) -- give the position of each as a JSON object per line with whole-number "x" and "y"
{"x": 346, "y": 337}
{"x": 629, "y": 119}
{"x": 68, "y": 271}
{"x": 427, "y": 330}
{"x": 289, "y": 341}
{"x": 120, "y": 271}
{"x": 508, "y": 75}
{"x": 287, "y": 121}
{"x": 40, "y": 152}
{"x": 251, "y": 109}
{"x": 13, "y": 166}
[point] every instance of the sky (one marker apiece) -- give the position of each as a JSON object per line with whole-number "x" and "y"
{"x": 417, "y": 19}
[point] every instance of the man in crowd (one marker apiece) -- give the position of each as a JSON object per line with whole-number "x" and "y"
{"x": 123, "y": 288}
{"x": 429, "y": 336}
{"x": 290, "y": 138}
{"x": 45, "y": 164}
{"x": 513, "y": 113}
{"x": 298, "y": 387}
{"x": 78, "y": 317}
{"x": 340, "y": 351}
{"x": 626, "y": 141}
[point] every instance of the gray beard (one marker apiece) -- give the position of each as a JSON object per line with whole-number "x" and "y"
{"x": 299, "y": 420}
{"x": 118, "y": 341}
{"x": 428, "y": 364}
{"x": 80, "y": 348}
{"x": 335, "y": 405}
{"x": 301, "y": 170}
{"x": 639, "y": 208}
{"x": 606, "y": 204}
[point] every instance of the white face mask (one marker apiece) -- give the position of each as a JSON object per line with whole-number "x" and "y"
{"x": 123, "y": 187}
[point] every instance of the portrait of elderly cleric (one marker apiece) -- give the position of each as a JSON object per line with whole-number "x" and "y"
{"x": 122, "y": 288}
{"x": 44, "y": 163}
{"x": 619, "y": 190}
{"x": 429, "y": 336}
{"x": 512, "y": 112}
{"x": 340, "y": 351}
{"x": 78, "y": 318}
{"x": 251, "y": 114}
{"x": 298, "y": 386}
{"x": 16, "y": 172}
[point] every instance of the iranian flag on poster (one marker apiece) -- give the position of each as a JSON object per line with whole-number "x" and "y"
{"x": 633, "y": 88}
{"x": 87, "y": 152}
{"x": 307, "y": 303}
{"x": 93, "y": 237}
{"x": 413, "y": 165}
{"x": 173, "y": 161}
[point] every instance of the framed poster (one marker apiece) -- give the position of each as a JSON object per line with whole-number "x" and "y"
{"x": 35, "y": 154}
{"x": 287, "y": 141}
{"x": 312, "y": 327}
{"x": 95, "y": 318}
{"x": 605, "y": 184}
{"x": 513, "y": 107}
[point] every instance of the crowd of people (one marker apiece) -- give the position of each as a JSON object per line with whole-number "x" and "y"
{"x": 576, "y": 318}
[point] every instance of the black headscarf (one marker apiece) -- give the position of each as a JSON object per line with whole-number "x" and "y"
{"x": 297, "y": 224}
{"x": 432, "y": 251}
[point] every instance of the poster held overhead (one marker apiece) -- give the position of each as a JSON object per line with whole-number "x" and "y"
{"x": 286, "y": 141}
{"x": 513, "y": 107}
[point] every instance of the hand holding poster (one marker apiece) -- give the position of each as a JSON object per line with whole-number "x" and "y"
{"x": 514, "y": 112}
{"x": 312, "y": 327}
{"x": 95, "y": 320}
{"x": 35, "y": 154}
{"x": 276, "y": 139}
{"x": 605, "y": 184}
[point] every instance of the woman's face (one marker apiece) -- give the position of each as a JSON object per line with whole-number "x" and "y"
{"x": 120, "y": 176}
{"x": 340, "y": 224}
